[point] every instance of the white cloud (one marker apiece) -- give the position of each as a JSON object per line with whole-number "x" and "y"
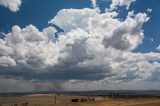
{"x": 7, "y": 61}
{"x": 116, "y": 3}
{"x": 158, "y": 48}
{"x": 94, "y": 3}
{"x": 75, "y": 18}
{"x": 149, "y": 10}
{"x": 95, "y": 6}
{"x": 30, "y": 46}
{"x": 13, "y": 5}
{"x": 123, "y": 35}
{"x": 128, "y": 34}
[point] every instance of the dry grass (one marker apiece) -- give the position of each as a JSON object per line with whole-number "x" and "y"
{"x": 64, "y": 100}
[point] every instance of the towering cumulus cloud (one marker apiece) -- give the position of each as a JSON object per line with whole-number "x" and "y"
{"x": 13, "y": 5}
{"x": 93, "y": 49}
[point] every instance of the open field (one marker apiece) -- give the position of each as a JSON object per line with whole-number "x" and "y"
{"x": 77, "y": 100}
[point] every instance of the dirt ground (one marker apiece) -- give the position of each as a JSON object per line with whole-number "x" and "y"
{"x": 65, "y": 100}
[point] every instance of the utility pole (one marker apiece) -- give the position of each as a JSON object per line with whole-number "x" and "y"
{"x": 55, "y": 99}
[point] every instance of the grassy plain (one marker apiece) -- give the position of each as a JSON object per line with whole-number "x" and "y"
{"x": 65, "y": 100}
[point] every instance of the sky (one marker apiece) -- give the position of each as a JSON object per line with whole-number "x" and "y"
{"x": 48, "y": 45}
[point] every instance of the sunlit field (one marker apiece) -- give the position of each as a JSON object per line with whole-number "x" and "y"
{"x": 67, "y": 100}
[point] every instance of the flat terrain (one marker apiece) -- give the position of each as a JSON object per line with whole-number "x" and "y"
{"x": 66, "y": 100}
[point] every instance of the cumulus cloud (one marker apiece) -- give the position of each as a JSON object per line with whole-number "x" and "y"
{"x": 95, "y": 48}
{"x": 25, "y": 44}
{"x": 129, "y": 34}
{"x": 13, "y": 5}
{"x": 116, "y": 3}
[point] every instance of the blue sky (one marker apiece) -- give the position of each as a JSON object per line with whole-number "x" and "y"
{"x": 92, "y": 51}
